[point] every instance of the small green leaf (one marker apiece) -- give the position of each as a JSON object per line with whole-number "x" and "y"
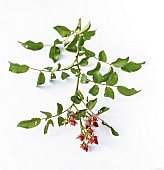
{"x": 89, "y": 53}
{"x": 107, "y": 75}
{"x": 16, "y": 68}
{"x": 102, "y": 56}
{"x": 48, "y": 114}
{"x": 97, "y": 77}
{"x": 84, "y": 79}
{"x": 32, "y": 45}
{"x": 114, "y": 132}
{"x": 88, "y": 35}
{"x": 113, "y": 79}
{"x": 64, "y": 75}
{"x": 126, "y": 91}
{"x": 97, "y": 68}
{"x": 94, "y": 90}
{"x": 80, "y": 113}
{"x": 60, "y": 121}
{"x": 90, "y": 105}
{"x": 103, "y": 109}
{"x": 72, "y": 46}
{"x": 75, "y": 99}
{"x": 83, "y": 62}
{"x": 49, "y": 122}
{"x": 48, "y": 69}
{"x": 74, "y": 70}
{"x": 109, "y": 92}
{"x": 63, "y": 31}
{"x": 29, "y": 123}
{"x": 59, "y": 109}
{"x": 41, "y": 79}
{"x": 79, "y": 94}
{"x": 54, "y": 53}
{"x": 81, "y": 41}
{"x": 57, "y": 41}
{"x": 57, "y": 68}
{"x": 120, "y": 62}
{"x": 53, "y": 76}
{"x": 132, "y": 67}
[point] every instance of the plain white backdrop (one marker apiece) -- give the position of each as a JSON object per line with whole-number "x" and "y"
{"x": 133, "y": 28}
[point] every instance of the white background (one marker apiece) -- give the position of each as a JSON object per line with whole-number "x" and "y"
{"x": 124, "y": 28}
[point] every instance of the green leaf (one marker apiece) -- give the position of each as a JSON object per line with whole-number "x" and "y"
{"x": 60, "y": 121}
{"x": 83, "y": 62}
{"x": 107, "y": 75}
{"x": 113, "y": 79}
{"x": 132, "y": 67}
{"x": 80, "y": 113}
{"x": 32, "y": 45}
{"x": 57, "y": 68}
{"x": 79, "y": 94}
{"x": 72, "y": 46}
{"x": 49, "y": 122}
{"x": 114, "y": 132}
{"x": 75, "y": 99}
{"x": 41, "y": 79}
{"x": 84, "y": 79}
{"x": 57, "y": 41}
{"x": 94, "y": 90}
{"x": 16, "y": 68}
{"x": 90, "y": 105}
{"x": 89, "y": 53}
{"x": 64, "y": 75}
{"x": 97, "y": 68}
{"x": 102, "y": 56}
{"x": 63, "y": 31}
{"x": 74, "y": 70}
{"x": 120, "y": 62}
{"x": 97, "y": 77}
{"x": 54, "y": 53}
{"x": 29, "y": 123}
{"x": 88, "y": 35}
{"x": 103, "y": 109}
{"x": 109, "y": 92}
{"x": 48, "y": 114}
{"x": 81, "y": 41}
{"x": 86, "y": 28}
{"x": 126, "y": 91}
{"x": 48, "y": 69}
{"x": 53, "y": 76}
{"x": 59, "y": 109}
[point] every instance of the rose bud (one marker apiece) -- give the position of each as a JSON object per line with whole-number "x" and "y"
{"x": 72, "y": 122}
{"x": 84, "y": 147}
{"x": 95, "y": 124}
{"x": 90, "y": 140}
{"x": 95, "y": 139}
{"x": 81, "y": 137}
{"x": 94, "y": 118}
{"x": 72, "y": 116}
{"x": 88, "y": 122}
{"x": 90, "y": 131}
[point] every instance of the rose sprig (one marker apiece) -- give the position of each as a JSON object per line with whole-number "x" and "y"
{"x": 74, "y": 41}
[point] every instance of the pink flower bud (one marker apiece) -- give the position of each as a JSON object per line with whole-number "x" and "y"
{"x": 84, "y": 147}
{"x": 72, "y": 116}
{"x": 95, "y": 124}
{"x": 81, "y": 137}
{"x": 94, "y": 118}
{"x": 95, "y": 139}
{"x": 72, "y": 122}
{"x": 88, "y": 122}
{"x": 90, "y": 131}
{"x": 90, "y": 140}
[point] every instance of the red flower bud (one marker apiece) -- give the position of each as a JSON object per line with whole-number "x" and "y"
{"x": 90, "y": 140}
{"x": 95, "y": 124}
{"x": 84, "y": 147}
{"x": 72, "y": 122}
{"x": 88, "y": 122}
{"x": 90, "y": 131}
{"x": 95, "y": 139}
{"x": 72, "y": 116}
{"x": 94, "y": 118}
{"x": 81, "y": 137}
